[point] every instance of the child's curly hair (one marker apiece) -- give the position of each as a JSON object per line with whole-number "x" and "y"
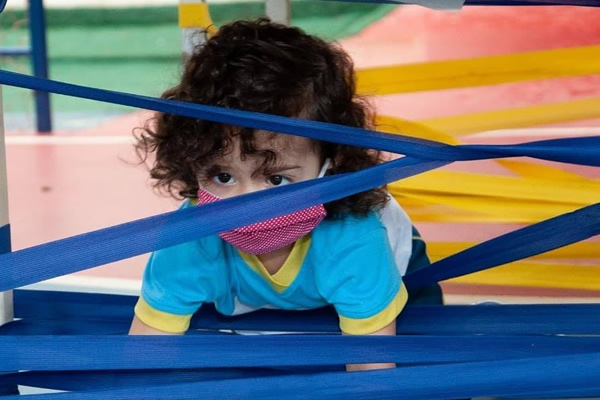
{"x": 268, "y": 68}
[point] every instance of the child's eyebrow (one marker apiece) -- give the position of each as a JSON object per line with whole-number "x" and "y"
{"x": 273, "y": 169}
{"x": 279, "y": 168}
{"x": 213, "y": 169}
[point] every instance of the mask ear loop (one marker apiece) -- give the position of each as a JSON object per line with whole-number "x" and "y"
{"x": 324, "y": 168}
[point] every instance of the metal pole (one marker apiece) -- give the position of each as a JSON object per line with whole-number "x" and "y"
{"x": 279, "y": 11}
{"x": 37, "y": 28}
{"x": 6, "y": 300}
{"x": 15, "y": 51}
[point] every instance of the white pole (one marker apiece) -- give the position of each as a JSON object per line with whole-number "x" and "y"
{"x": 6, "y": 299}
{"x": 279, "y": 11}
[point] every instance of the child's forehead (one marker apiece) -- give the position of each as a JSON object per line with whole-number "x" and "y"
{"x": 285, "y": 148}
{"x": 283, "y": 144}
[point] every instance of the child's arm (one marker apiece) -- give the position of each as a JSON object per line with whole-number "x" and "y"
{"x": 389, "y": 330}
{"x": 139, "y": 328}
{"x": 363, "y": 283}
{"x": 176, "y": 282}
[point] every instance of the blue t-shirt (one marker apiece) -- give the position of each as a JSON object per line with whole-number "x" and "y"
{"x": 347, "y": 263}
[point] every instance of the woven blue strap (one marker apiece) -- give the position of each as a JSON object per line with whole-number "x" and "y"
{"x": 100, "y": 247}
{"x": 65, "y": 313}
{"x": 526, "y": 242}
{"x": 584, "y": 151}
{"x": 101, "y": 352}
{"x": 522, "y": 378}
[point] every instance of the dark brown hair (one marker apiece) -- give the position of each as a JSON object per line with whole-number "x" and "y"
{"x": 263, "y": 67}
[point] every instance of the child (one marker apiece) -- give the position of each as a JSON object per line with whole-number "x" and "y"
{"x": 349, "y": 253}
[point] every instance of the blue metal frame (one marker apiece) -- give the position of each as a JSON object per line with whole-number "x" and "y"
{"x": 15, "y": 51}
{"x": 37, "y": 26}
{"x": 39, "y": 60}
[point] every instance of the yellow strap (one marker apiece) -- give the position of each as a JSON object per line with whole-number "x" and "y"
{"x": 544, "y": 114}
{"x": 530, "y": 170}
{"x": 196, "y": 15}
{"x": 414, "y": 129}
{"x": 482, "y": 210}
{"x": 581, "y": 192}
{"x": 527, "y": 274}
{"x": 444, "y": 196}
{"x": 480, "y": 71}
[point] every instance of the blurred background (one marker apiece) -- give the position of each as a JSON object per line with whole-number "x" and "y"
{"x": 539, "y": 77}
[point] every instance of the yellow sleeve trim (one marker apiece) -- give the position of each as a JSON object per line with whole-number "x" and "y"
{"x": 161, "y": 320}
{"x": 365, "y": 326}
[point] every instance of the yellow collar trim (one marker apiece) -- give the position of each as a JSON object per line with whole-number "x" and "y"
{"x": 283, "y": 278}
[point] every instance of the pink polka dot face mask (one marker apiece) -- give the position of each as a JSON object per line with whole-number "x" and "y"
{"x": 272, "y": 234}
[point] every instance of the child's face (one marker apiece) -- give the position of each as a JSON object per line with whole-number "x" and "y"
{"x": 297, "y": 159}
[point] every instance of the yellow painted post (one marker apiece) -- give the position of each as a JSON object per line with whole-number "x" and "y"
{"x": 195, "y": 24}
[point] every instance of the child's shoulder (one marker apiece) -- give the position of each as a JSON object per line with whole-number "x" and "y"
{"x": 342, "y": 247}
{"x": 389, "y": 224}
{"x": 347, "y": 228}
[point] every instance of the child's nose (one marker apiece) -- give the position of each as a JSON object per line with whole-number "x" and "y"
{"x": 250, "y": 187}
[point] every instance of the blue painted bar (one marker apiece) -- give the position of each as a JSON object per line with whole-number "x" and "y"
{"x": 5, "y": 239}
{"x": 15, "y": 51}
{"x": 37, "y": 26}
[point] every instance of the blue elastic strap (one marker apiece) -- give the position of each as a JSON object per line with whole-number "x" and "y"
{"x": 95, "y": 380}
{"x": 526, "y": 242}
{"x": 523, "y": 378}
{"x": 103, "y": 246}
{"x": 122, "y": 352}
{"x": 584, "y": 151}
{"x": 65, "y": 313}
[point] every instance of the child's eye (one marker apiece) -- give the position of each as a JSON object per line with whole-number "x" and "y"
{"x": 278, "y": 180}
{"x": 223, "y": 178}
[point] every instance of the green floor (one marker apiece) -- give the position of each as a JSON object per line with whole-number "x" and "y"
{"x": 137, "y": 50}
